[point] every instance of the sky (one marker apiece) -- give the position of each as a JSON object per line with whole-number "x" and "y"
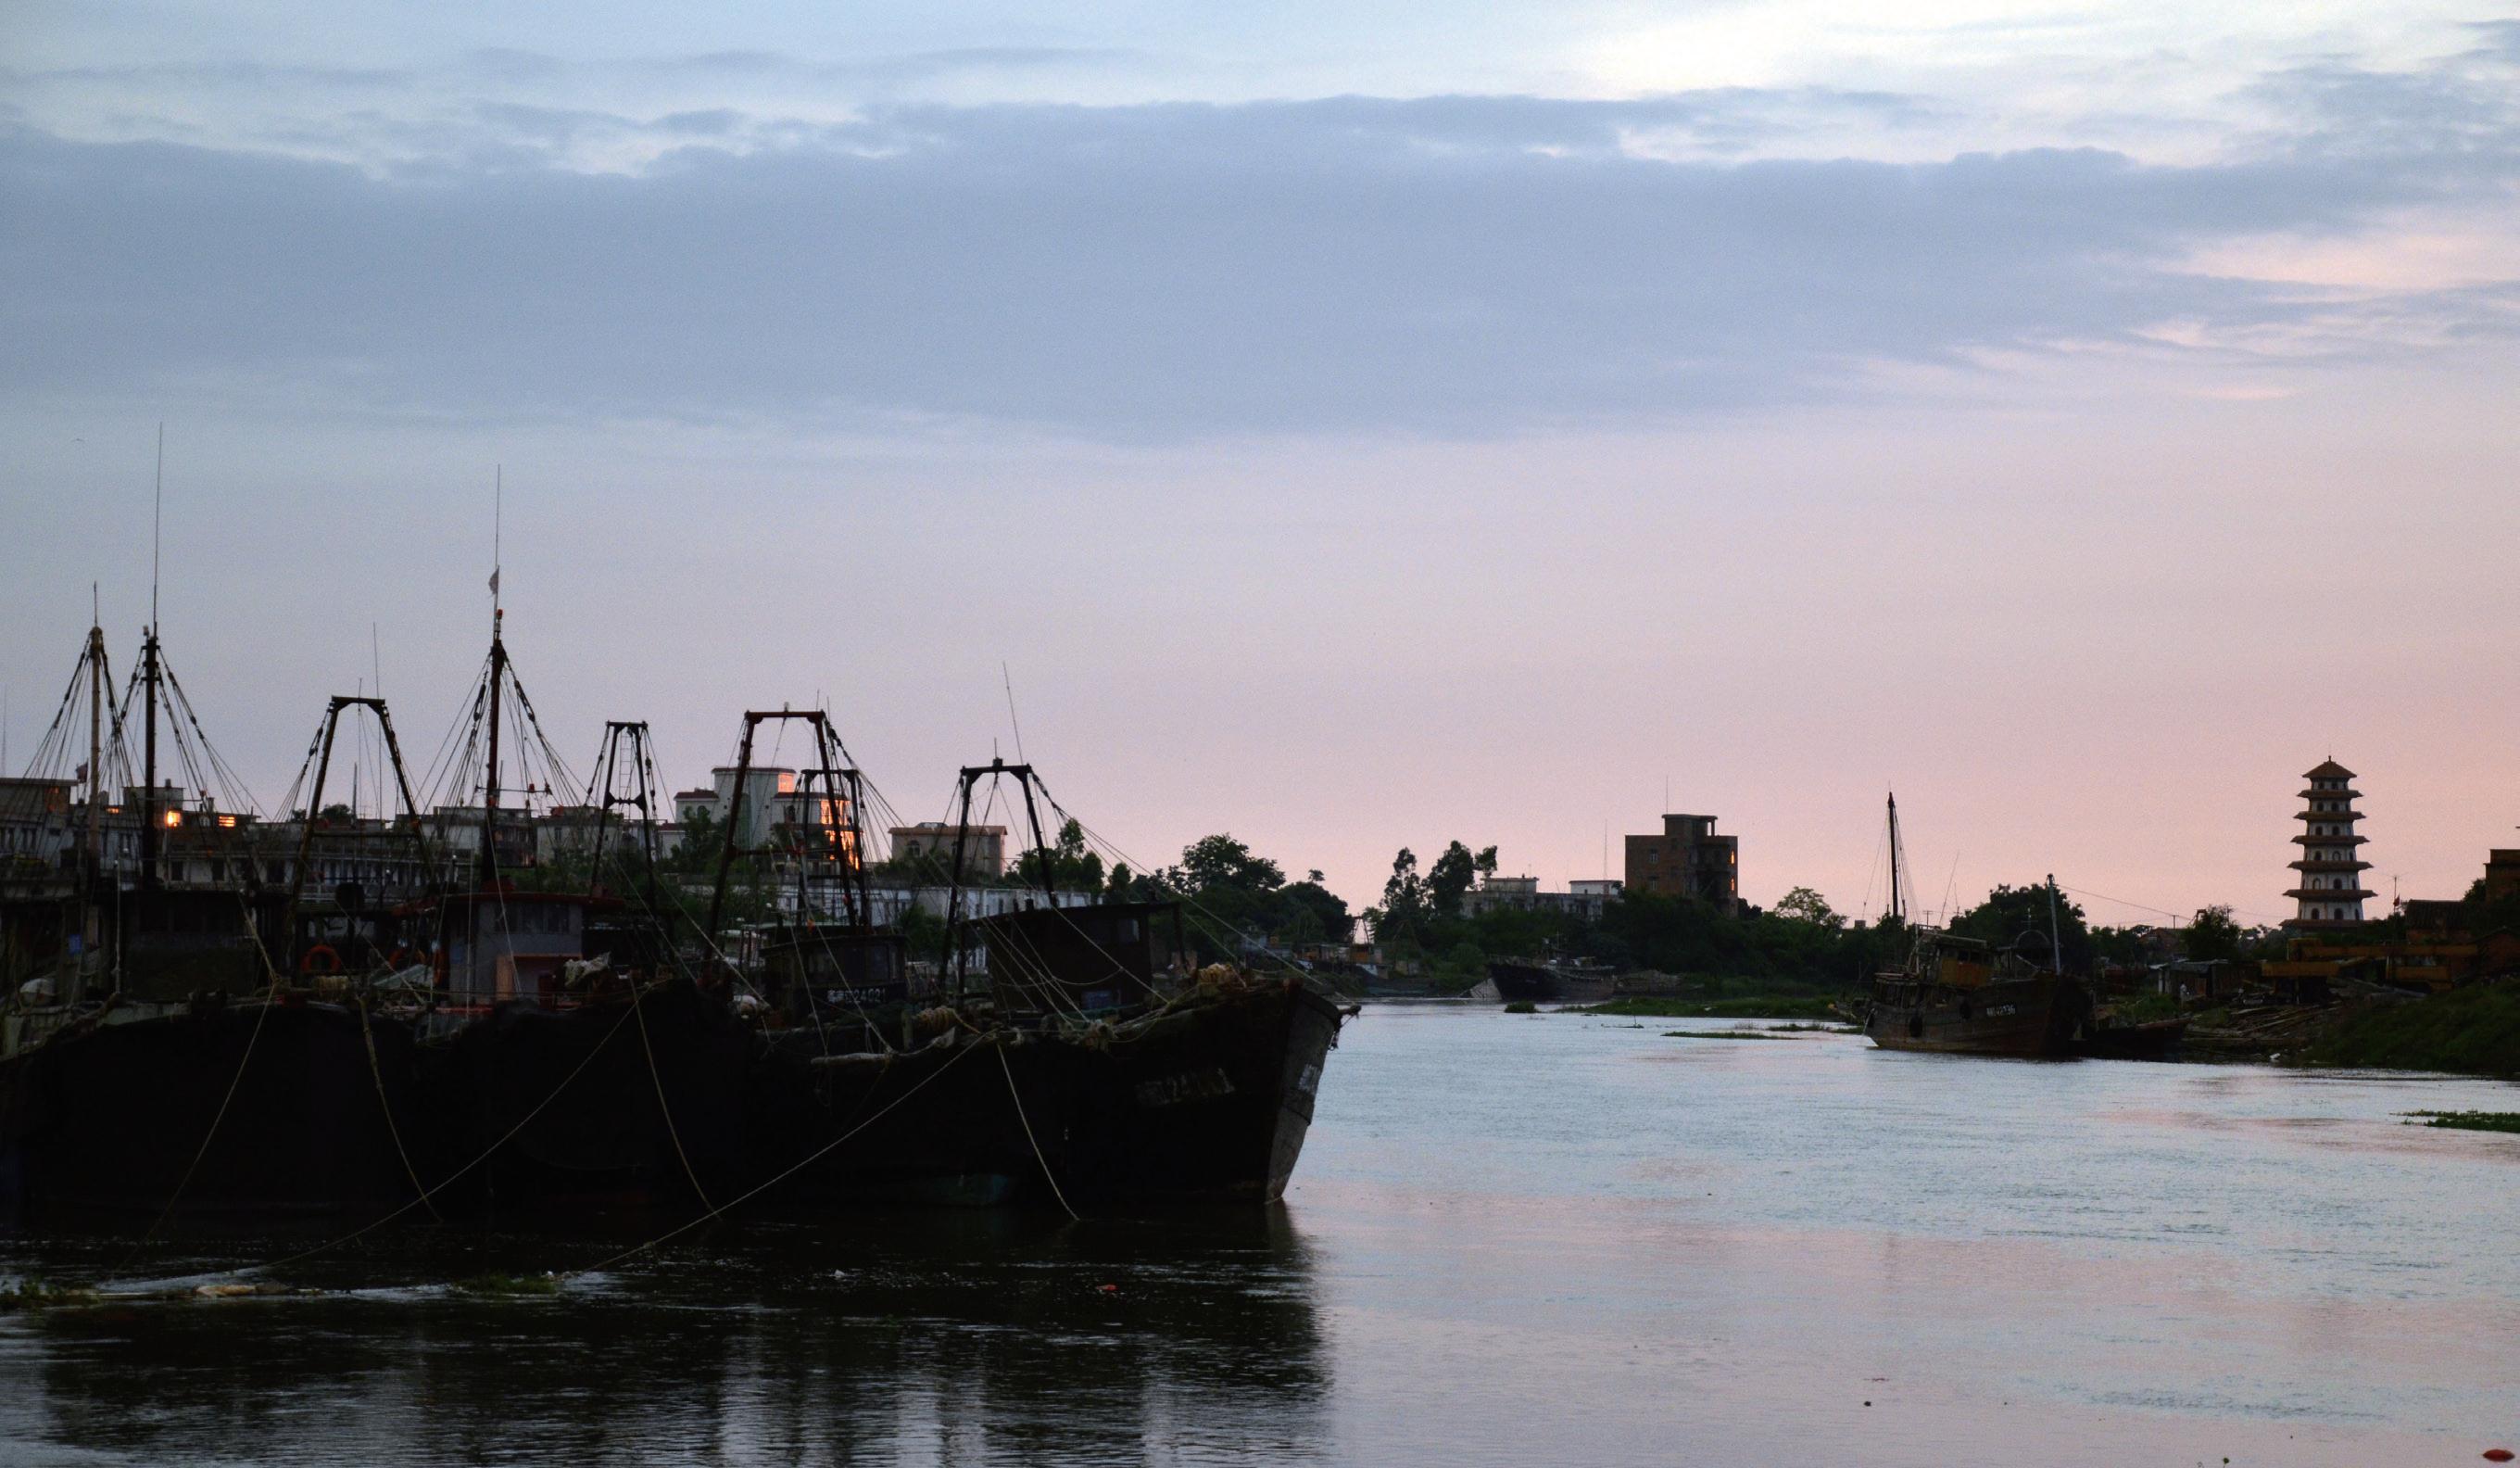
{"x": 1350, "y": 426}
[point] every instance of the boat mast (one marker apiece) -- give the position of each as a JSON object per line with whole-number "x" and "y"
{"x": 2055, "y": 943}
{"x": 498, "y": 675}
{"x": 149, "y": 684}
{"x": 1898, "y": 904}
{"x": 95, "y": 751}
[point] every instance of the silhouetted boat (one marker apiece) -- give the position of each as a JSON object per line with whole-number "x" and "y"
{"x": 1964, "y": 997}
{"x": 1550, "y": 979}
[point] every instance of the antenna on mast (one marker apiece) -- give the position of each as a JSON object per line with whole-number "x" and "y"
{"x": 1012, "y": 721}
{"x": 156, "y": 519}
{"x": 498, "y": 528}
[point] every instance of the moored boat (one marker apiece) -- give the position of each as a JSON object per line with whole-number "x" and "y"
{"x": 1961, "y": 995}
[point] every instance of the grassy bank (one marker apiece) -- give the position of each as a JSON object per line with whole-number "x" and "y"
{"x": 1739, "y": 1007}
{"x": 2473, "y": 1032}
{"x": 2470, "y": 1121}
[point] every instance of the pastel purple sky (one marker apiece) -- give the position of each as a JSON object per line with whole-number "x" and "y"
{"x": 1355, "y": 426}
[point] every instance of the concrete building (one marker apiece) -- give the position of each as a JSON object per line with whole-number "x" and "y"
{"x": 1583, "y": 899}
{"x": 984, "y": 848}
{"x": 2501, "y": 873}
{"x": 777, "y": 809}
{"x": 1688, "y": 860}
{"x": 2331, "y": 893}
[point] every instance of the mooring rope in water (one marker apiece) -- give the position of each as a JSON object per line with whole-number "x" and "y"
{"x": 449, "y": 1180}
{"x": 801, "y": 1165}
{"x": 1046, "y": 1174}
{"x": 384, "y": 1103}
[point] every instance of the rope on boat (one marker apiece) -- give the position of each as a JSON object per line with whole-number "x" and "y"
{"x": 270, "y": 998}
{"x": 1046, "y": 1174}
{"x": 817, "y": 1155}
{"x": 384, "y": 1103}
{"x": 673, "y": 1133}
{"x": 443, "y": 1184}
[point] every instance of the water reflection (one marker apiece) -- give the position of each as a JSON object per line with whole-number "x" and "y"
{"x": 894, "y": 1338}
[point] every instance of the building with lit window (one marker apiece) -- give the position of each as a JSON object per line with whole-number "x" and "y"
{"x": 1688, "y": 860}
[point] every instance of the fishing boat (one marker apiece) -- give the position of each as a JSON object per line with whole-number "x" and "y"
{"x": 453, "y": 1020}
{"x": 1070, "y": 1052}
{"x": 150, "y": 1050}
{"x": 1550, "y": 979}
{"x": 1962, "y": 995}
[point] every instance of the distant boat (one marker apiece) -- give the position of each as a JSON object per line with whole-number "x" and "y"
{"x": 1962, "y": 995}
{"x": 1555, "y": 979}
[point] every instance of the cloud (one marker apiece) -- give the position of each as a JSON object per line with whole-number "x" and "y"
{"x": 1447, "y": 265}
{"x": 214, "y": 73}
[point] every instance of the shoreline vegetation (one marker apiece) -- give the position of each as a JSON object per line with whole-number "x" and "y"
{"x": 2466, "y": 1031}
{"x": 2468, "y": 1121}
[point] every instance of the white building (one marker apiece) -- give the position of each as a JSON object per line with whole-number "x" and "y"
{"x": 984, "y": 848}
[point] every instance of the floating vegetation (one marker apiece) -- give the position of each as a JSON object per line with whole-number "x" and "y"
{"x": 1750, "y": 1007}
{"x": 37, "y": 1294}
{"x": 2468, "y": 1121}
{"x": 1523, "y": 1006}
{"x": 1719, "y": 1034}
{"x": 1814, "y": 1030}
{"x": 510, "y": 1284}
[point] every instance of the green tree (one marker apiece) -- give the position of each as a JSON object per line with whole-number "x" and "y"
{"x": 1071, "y": 866}
{"x": 1449, "y": 879}
{"x": 1804, "y": 905}
{"x": 1219, "y": 862}
{"x": 2012, "y": 915}
{"x": 1406, "y": 904}
{"x": 1309, "y": 912}
{"x": 2211, "y": 934}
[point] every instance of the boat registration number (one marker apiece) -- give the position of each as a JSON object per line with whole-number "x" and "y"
{"x": 1189, "y": 1085}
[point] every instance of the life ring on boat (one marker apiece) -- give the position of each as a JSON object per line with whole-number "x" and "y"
{"x": 320, "y": 959}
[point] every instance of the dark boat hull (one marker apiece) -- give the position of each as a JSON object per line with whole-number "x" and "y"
{"x": 1529, "y": 983}
{"x": 2043, "y": 1016}
{"x": 598, "y": 1104}
{"x": 1210, "y": 1104}
{"x": 111, "y": 1118}
{"x": 1207, "y": 1102}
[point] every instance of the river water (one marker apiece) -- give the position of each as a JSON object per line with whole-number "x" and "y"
{"x": 1514, "y": 1239}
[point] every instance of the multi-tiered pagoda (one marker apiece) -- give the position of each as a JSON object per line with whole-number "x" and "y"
{"x": 2331, "y": 890}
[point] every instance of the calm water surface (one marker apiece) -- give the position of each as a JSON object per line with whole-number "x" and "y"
{"x": 1514, "y": 1239}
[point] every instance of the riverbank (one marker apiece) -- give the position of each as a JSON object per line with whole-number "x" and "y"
{"x": 2467, "y": 1031}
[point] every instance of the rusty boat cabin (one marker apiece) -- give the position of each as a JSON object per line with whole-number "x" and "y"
{"x": 1082, "y": 960}
{"x": 497, "y": 946}
{"x": 815, "y": 973}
